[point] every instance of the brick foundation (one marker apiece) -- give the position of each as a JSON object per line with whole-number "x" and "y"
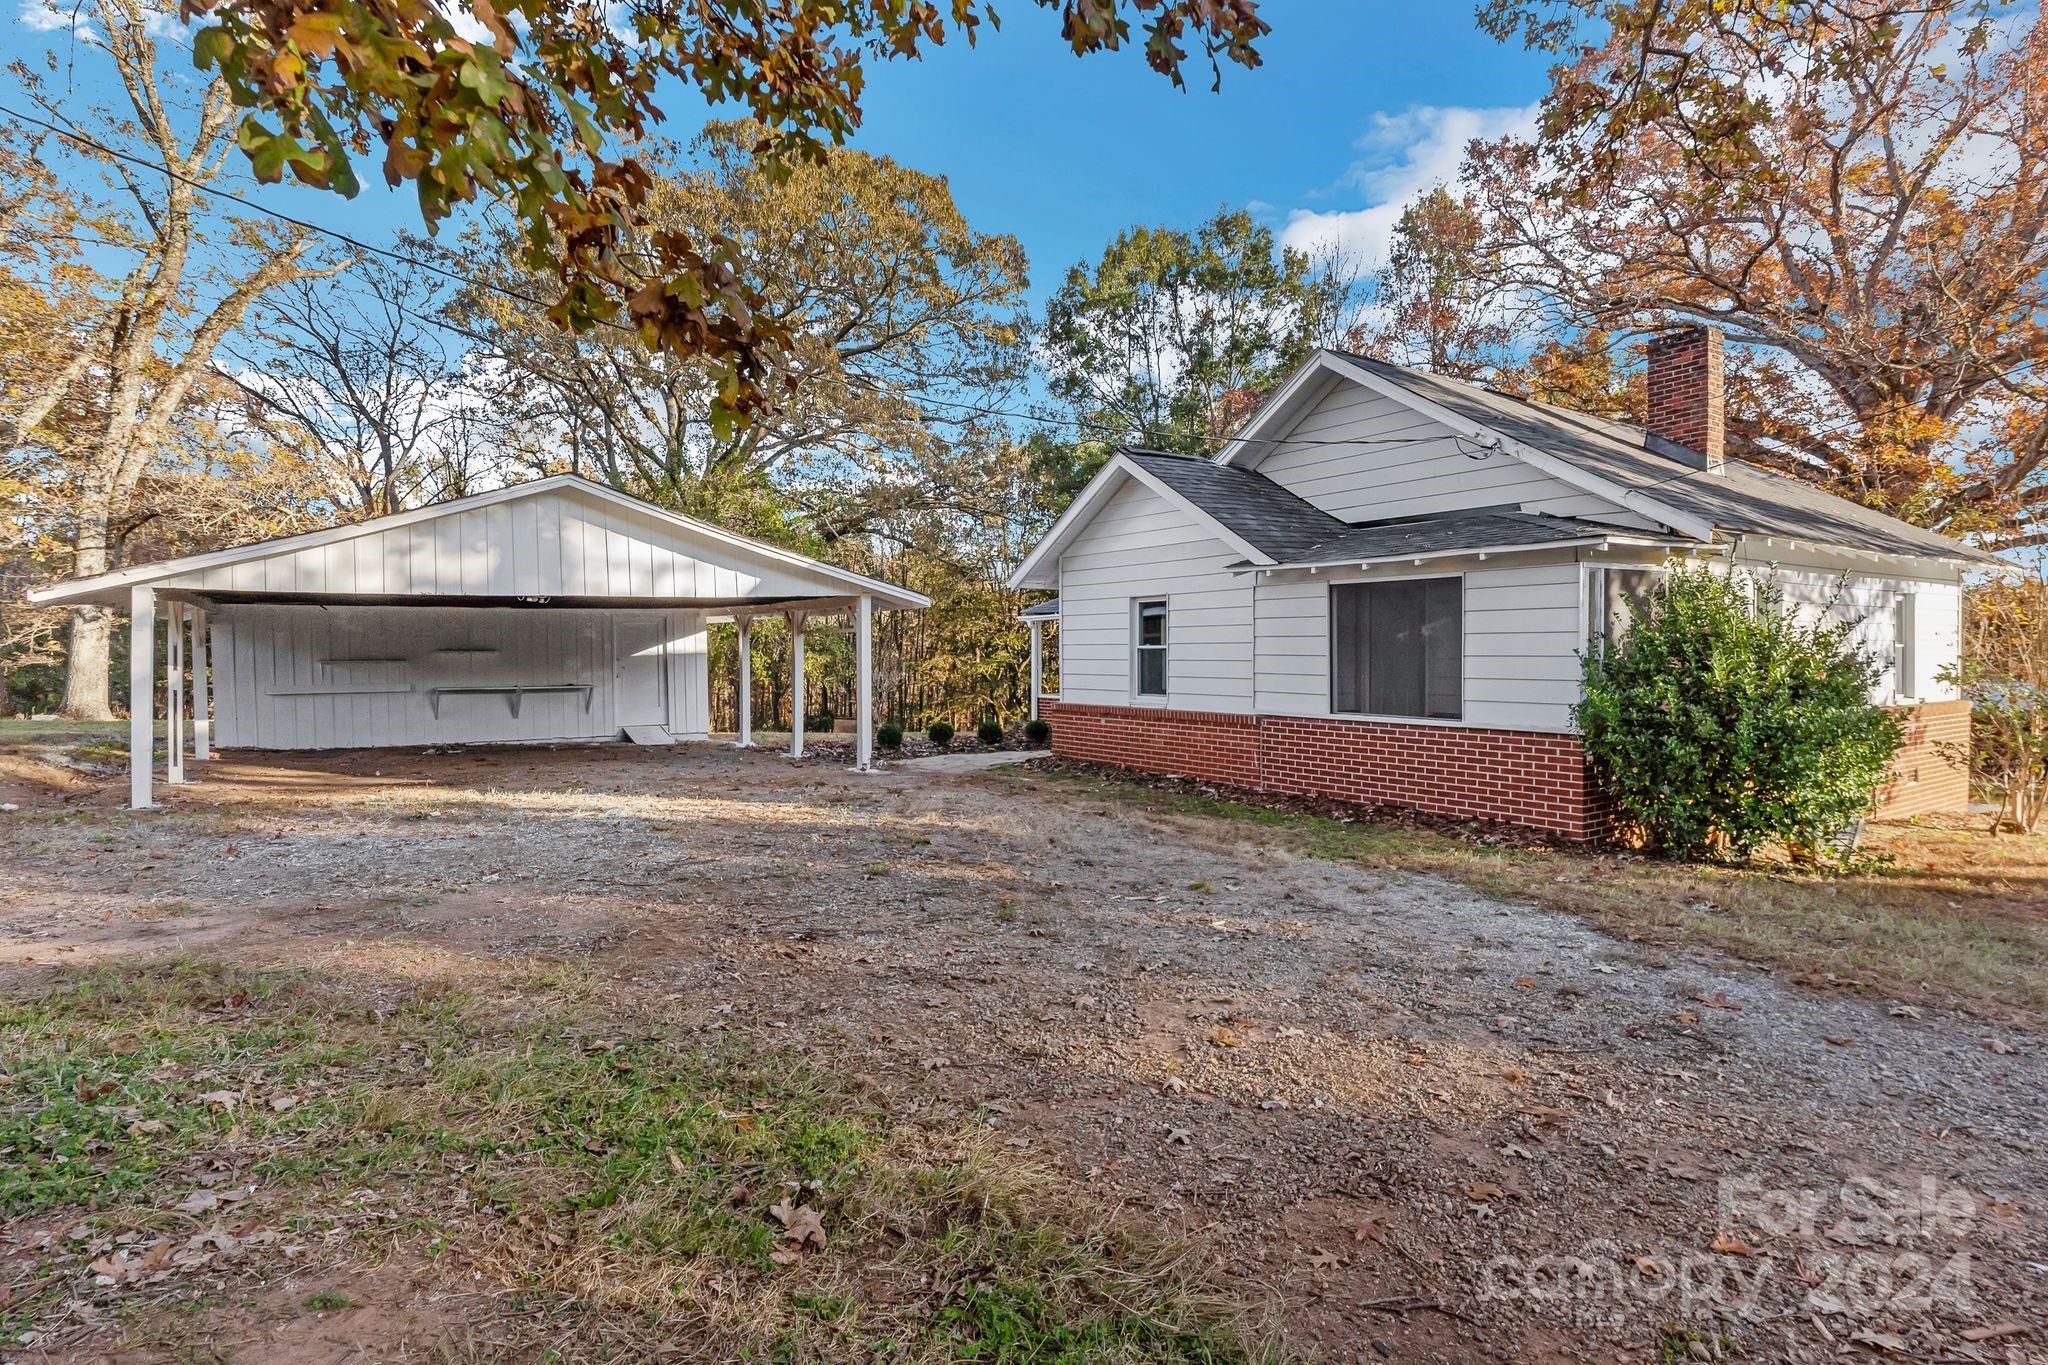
{"x": 1924, "y": 779}
{"x": 1518, "y": 776}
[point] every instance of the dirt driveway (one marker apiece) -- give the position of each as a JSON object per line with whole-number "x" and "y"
{"x": 1437, "y": 1126}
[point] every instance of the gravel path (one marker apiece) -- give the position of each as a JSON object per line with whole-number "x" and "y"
{"x": 1435, "y": 1126}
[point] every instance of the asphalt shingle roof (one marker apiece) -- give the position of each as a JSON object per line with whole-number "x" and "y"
{"x": 1743, "y": 498}
{"x": 1481, "y": 529}
{"x": 1260, "y": 512}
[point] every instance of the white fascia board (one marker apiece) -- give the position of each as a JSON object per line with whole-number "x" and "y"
{"x": 1470, "y": 552}
{"x": 1198, "y": 516}
{"x": 1278, "y": 412}
{"x": 86, "y": 588}
{"x": 1038, "y": 569}
{"x": 1561, "y": 469}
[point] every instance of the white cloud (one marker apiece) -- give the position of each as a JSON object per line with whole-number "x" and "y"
{"x": 1401, "y": 156}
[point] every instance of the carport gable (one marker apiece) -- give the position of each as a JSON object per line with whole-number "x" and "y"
{"x": 562, "y": 540}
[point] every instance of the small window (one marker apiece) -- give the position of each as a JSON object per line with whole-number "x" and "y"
{"x": 1614, "y": 598}
{"x": 1151, "y": 649}
{"x": 1398, "y": 649}
{"x": 1906, "y": 680}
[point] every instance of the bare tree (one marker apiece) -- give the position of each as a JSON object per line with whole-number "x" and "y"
{"x": 364, "y": 377}
{"x": 157, "y": 337}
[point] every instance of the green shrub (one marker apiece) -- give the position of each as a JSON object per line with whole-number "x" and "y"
{"x": 1037, "y": 732}
{"x": 1722, "y": 720}
{"x": 989, "y": 732}
{"x": 939, "y": 733}
{"x": 889, "y": 735}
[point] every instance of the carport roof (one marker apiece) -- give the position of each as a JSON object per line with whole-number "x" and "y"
{"x": 558, "y": 541}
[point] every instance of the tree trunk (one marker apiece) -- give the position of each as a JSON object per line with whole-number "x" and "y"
{"x": 86, "y": 696}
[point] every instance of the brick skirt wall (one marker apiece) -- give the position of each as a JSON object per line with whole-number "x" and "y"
{"x": 1924, "y": 779}
{"x": 1518, "y": 776}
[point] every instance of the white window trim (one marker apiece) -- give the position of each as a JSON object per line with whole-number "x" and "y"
{"x": 1330, "y": 650}
{"x": 1138, "y": 698}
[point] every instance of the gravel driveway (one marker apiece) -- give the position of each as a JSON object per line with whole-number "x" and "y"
{"x": 1430, "y": 1124}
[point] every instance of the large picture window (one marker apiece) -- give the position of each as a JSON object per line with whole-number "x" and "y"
{"x": 1149, "y": 664}
{"x": 1398, "y": 649}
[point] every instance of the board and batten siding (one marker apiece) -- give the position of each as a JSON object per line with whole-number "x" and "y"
{"x": 293, "y": 677}
{"x": 1362, "y": 456}
{"x": 1523, "y": 627}
{"x": 1141, "y": 546}
{"x": 555, "y": 544}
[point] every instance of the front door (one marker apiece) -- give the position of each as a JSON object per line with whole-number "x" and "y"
{"x": 641, "y": 674}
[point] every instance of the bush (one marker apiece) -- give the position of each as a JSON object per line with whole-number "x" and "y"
{"x": 1722, "y": 721}
{"x": 818, "y": 721}
{"x": 1037, "y": 732}
{"x": 889, "y": 735}
{"x": 939, "y": 733}
{"x": 989, "y": 732}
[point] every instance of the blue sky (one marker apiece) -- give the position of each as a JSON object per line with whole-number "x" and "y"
{"x": 1360, "y": 104}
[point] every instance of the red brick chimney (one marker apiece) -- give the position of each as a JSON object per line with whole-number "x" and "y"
{"x": 1687, "y": 394}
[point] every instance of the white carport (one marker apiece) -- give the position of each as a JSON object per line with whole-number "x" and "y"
{"x": 553, "y": 610}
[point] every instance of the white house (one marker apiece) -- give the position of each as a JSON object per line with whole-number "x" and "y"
{"x": 1381, "y": 589}
{"x": 552, "y": 610}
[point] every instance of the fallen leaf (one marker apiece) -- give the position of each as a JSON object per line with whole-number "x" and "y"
{"x": 1719, "y": 1001}
{"x": 1525, "y": 983}
{"x": 1686, "y": 1017}
{"x": 1838, "y": 1039}
{"x": 199, "y": 1201}
{"x": 1222, "y": 1037}
{"x": 1325, "y": 1260}
{"x": 1727, "y": 1244}
{"x": 1994, "y": 1331}
{"x": 2000, "y": 1046}
{"x": 1484, "y": 1192}
{"x": 1884, "y": 1341}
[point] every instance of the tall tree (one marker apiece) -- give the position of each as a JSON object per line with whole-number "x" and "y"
{"x": 546, "y": 108}
{"x": 365, "y": 377}
{"x": 1855, "y": 190}
{"x": 904, "y": 321}
{"x": 1436, "y": 301}
{"x": 1167, "y": 338}
{"x": 151, "y": 337}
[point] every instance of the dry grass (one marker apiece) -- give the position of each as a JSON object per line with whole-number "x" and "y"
{"x": 1939, "y": 913}
{"x": 622, "y": 1189}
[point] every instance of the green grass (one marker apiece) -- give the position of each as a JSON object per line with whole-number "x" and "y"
{"x": 622, "y": 1178}
{"x": 1951, "y": 916}
{"x": 20, "y": 731}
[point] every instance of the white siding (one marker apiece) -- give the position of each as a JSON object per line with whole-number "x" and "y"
{"x": 1935, "y": 619}
{"x": 1428, "y": 472}
{"x": 1522, "y": 633}
{"x": 302, "y": 677}
{"x": 1139, "y": 545}
{"x": 554, "y": 544}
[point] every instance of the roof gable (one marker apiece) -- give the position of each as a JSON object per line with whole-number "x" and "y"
{"x": 1623, "y": 464}
{"x": 557, "y": 537}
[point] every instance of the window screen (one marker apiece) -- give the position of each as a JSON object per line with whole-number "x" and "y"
{"x": 1398, "y": 649}
{"x": 1151, "y": 650}
{"x": 1615, "y": 597}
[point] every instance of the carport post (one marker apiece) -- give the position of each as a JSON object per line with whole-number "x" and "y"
{"x": 1037, "y": 662}
{"x": 864, "y": 684}
{"x": 746, "y": 629}
{"x": 796, "y": 684}
{"x": 174, "y": 693}
{"x": 202, "y": 690}
{"x": 141, "y": 695}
